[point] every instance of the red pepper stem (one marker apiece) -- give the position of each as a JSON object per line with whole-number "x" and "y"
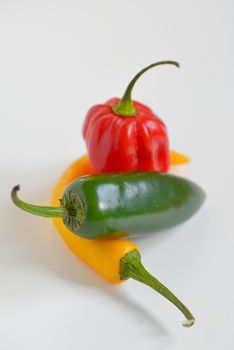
{"x": 131, "y": 267}
{"x": 126, "y": 107}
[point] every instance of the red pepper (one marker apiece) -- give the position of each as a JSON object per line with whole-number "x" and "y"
{"x": 124, "y": 135}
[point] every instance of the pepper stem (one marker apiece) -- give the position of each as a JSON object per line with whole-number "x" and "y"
{"x": 45, "y": 211}
{"x": 71, "y": 209}
{"x": 131, "y": 267}
{"x": 126, "y": 107}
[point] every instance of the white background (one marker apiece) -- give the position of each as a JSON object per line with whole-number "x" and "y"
{"x": 57, "y": 58}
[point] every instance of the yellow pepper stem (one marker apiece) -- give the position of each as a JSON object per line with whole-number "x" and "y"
{"x": 131, "y": 267}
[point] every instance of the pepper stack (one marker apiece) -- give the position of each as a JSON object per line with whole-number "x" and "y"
{"x": 125, "y": 191}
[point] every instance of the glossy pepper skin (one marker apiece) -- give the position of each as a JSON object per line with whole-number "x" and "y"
{"x": 123, "y": 204}
{"x": 123, "y": 135}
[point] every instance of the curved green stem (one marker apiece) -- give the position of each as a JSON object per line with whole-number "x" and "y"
{"x": 45, "y": 211}
{"x": 125, "y": 107}
{"x": 131, "y": 267}
{"x": 71, "y": 209}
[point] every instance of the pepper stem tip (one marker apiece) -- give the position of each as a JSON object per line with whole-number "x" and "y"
{"x": 188, "y": 323}
{"x": 14, "y": 191}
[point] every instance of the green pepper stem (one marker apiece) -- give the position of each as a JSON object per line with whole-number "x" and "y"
{"x": 125, "y": 107}
{"x": 131, "y": 267}
{"x": 45, "y": 211}
{"x": 71, "y": 209}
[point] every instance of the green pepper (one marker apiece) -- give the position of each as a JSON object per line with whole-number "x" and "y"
{"x": 122, "y": 204}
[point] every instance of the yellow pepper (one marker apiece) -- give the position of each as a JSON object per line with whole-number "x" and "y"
{"x": 117, "y": 259}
